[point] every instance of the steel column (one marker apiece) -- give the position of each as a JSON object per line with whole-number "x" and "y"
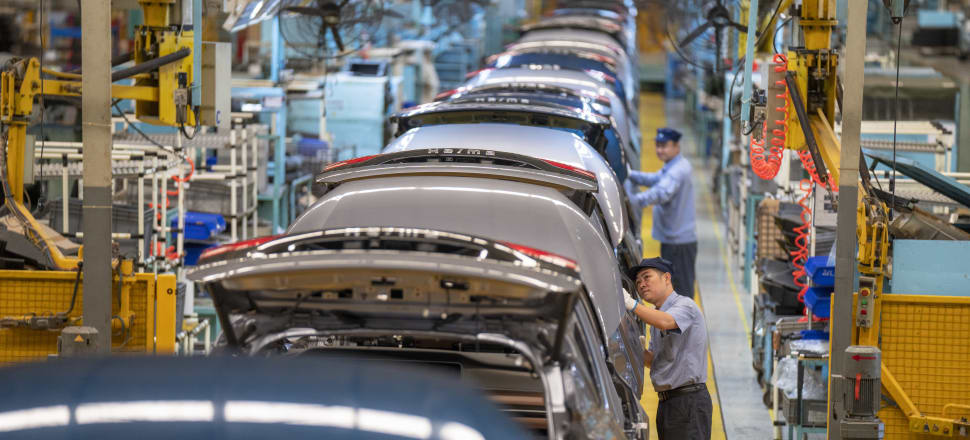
{"x": 96, "y": 135}
{"x": 845, "y": 253}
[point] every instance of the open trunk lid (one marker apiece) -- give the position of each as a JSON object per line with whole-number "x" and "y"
{"x": 402, "y": 272}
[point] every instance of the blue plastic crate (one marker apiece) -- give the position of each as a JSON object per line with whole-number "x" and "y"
{"x": 201, "y": 226}
{"x": 821, "y": 273}
{"x": 194, "y": 250}
{"x": 818, "y": 300}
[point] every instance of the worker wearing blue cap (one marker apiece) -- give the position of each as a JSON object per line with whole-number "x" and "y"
{"x": 677, "y": 355}
{"x": 671, "y": 192}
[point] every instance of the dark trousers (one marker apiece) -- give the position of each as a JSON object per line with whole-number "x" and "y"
{"x": 685, "y": 417}
{"x": 683, "y": 257}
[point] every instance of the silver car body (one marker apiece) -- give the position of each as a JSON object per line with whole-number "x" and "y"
{"x": 624, "y": 67}
{"x": 579, "y": 81}
{"x": 527, "y": 214}
{"x": 545, "y": 143}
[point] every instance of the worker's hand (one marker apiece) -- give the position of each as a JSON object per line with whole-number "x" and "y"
{"x": 629, "y": 301}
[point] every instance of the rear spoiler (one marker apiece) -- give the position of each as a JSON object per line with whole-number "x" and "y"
{"x": 521, "y": 86}
{"x": 461, "y": 162}
{"x": 544, "y": 115}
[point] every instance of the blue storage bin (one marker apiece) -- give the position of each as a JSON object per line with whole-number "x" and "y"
{"x": 821, "y": 273}
{"x": 200, "y": 226}
{"x": 818, "y": 300}
{"x": 194, "y": 250}
{"x": 815, "y": 334}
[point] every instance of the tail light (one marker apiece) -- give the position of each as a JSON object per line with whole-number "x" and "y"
{"x": 237, "y": 246}
{"x": 541, "y": 255}
{"x": 336, "y": 165}
{"x": 445, "y": 94}
{"x": 570, "y": 168}
{"x": 471, "y": 75}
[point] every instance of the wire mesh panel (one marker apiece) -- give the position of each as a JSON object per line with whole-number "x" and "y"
{"x": 23, "y": 293}
{"x": 925, "y": 343}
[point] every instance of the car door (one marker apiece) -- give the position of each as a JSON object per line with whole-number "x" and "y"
{"x": 595, "y": 409}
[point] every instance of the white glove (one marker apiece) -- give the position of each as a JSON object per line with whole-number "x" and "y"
{"x": 629, "y": 301}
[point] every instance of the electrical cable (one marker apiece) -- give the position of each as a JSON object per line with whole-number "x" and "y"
{"x": 40, "y": 35}
{"x": 152, "y": 64}
{"x": 892, "y": 180}
{"x": 779, "y": 29}
{"x": 138, "y": 130}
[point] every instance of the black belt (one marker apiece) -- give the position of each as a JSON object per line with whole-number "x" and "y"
{"x": 686, "y": 389}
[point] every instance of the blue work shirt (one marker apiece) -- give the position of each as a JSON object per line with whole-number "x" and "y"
{"x": 672, "y": 194}
{"x": 680, "y": 354}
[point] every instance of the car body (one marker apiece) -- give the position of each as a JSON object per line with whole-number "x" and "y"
{"x": 242, "y": 398}
{"x": 615, "y": 151}
{"x": 616, "y": 31}
{"x": 465, "y": 191}
{"x": 577, "y": 81}
{"x": 573, "y": 40}
{"x": 623, "y": 18}
{"x": 513, "y": 320}
{"x": 600, "y": 67}
{"x": 422, "y": 129}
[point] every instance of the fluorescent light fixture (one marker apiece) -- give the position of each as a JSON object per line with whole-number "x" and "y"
{"x": 40, "y": 417}
{"x": 145, "y": 411}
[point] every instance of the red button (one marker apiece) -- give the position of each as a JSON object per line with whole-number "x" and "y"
{"x": 864, "y": 292}
{"x": 863, "y": 312}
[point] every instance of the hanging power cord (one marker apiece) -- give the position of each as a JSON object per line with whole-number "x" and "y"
{"x": 892, "y": 180}
{"x": 43, "y": 48}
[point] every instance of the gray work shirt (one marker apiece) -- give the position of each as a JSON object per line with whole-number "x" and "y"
{"x": 679, "y": 355}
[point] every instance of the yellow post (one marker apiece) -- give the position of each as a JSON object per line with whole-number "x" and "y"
{"x": 165, "y": 314}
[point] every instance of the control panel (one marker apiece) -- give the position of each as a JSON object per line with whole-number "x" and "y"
{"x": 864, "y": 308}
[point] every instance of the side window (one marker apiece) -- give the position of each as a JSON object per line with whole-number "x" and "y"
{"x": 585, "y": 334}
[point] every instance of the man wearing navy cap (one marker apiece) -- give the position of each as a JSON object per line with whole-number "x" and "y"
{"x": 671, "y": 193}
{"x": 677, "y": 355}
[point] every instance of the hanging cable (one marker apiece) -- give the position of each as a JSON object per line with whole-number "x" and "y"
{"x": 892, "y": 180}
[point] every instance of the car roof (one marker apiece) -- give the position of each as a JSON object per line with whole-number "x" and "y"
{"x": 565, "y": 78}
{"x": 540, "y": 142}
{"x": 241, "y": 397}
{"x": 530, "y": 215}
{"x": 569, "y": 34}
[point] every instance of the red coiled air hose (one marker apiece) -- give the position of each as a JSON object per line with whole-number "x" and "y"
{"x": 767, "y": 166}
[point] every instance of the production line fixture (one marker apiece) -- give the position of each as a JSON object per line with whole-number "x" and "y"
{"x": 799, "y": 115}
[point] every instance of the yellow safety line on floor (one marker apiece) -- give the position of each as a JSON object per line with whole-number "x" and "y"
{"x": 651, "y": 118}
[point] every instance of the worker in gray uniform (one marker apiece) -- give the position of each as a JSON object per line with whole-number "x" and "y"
{"x": 671, "y": 193}
{"x": 677, "y": 354}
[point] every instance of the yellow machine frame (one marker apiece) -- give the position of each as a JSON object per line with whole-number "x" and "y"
{"x": 146, "y": 301}
{"x": 144, "y": 311}
{"x": 153, "y": 93}
{"x": 815, "y": 67}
